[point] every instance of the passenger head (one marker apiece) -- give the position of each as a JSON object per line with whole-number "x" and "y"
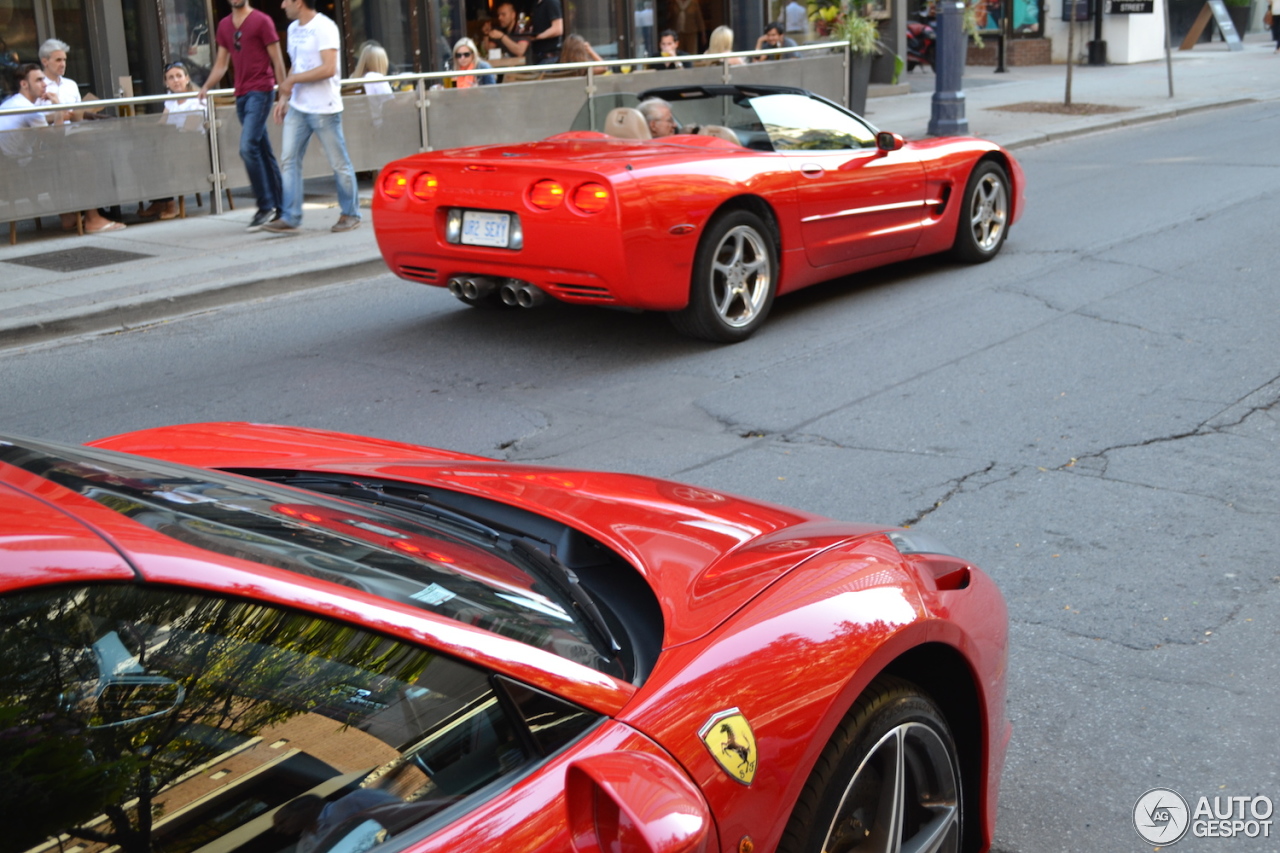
{"x": 721, "y": 40}
{"x": 464, "y": 54}
{"x": 668, "y": 42}
{"x": 657, "y": 113}
{"x": 373, "y": 60}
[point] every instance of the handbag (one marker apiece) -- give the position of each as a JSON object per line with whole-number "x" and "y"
{"x": 1266, "y": 18}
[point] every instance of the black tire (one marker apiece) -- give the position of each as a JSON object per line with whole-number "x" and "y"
{"x": 735, "y": 277}
{"x": 984, "y": 214}
{"x": 847, "y": 804}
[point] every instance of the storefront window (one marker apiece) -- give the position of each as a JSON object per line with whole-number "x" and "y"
{"x": 18, "y": 39}
{"x": 189, "y": 35}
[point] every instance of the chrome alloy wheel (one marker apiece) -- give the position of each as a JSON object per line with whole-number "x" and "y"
{"x": 989, "y": 211}
{"x": 740, "y": 276}
{"x": 903, "y": 798}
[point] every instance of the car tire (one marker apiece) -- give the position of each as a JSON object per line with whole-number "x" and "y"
{"x": 735, "y": 276}
{"x": 887, "y": 780}
{"x": 984, "y": 216}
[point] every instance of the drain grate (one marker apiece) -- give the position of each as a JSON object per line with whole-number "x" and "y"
{"x": 71, "y": 260}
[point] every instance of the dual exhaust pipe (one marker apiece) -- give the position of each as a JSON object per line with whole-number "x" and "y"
{"x": 513, "y": 292}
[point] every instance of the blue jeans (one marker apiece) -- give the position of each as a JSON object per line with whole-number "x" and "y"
{"x": 253, "y": 109}
{"x": 298, "y": 127}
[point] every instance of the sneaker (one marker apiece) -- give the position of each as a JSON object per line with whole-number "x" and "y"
{"x": 279, "y": 226}
{"x": 346, "y": 223}
{"x": 261, "y": 218}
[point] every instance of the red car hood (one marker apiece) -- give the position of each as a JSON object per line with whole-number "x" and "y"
{"x": 704, "y": 552}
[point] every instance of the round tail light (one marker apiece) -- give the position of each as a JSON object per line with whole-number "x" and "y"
{"x": 546, "y": 195}
{"x": 395, "y": 184}
{"x": 591, "y": 198}
{"x": 425, "y": 186}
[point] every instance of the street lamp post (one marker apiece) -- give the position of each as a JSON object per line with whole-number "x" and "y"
{"x": 947, "y": 117}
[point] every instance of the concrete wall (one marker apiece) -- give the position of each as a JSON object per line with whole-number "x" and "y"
{"x": 1129, "y": 38}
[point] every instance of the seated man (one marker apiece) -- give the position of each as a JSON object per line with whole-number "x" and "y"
{"x": 774, "y": 38}
{"x": 657, "y": 113}
{"x": 669, "y": 45}
{"x": 30, "y": 82}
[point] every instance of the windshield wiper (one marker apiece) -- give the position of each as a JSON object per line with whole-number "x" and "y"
{"x": 565, "y": 580}
{"x": 364, "y": 493}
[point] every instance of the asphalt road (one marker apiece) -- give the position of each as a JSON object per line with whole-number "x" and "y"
{"x": 1092, "y": 418}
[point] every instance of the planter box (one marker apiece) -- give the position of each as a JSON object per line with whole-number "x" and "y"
{"x": 1019, "y": 52}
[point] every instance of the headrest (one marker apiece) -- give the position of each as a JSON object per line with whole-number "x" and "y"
{"x": 626, "y": 123}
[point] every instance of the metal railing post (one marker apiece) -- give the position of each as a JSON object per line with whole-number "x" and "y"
{"x": 216, "y": 177}
{"x": 422, "y": 113}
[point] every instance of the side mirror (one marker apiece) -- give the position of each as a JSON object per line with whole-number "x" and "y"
{"x": 887, "y": 141}
{"x": 632, "y": 802}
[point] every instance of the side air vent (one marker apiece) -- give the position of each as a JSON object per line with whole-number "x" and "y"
{"x": 581, "y": 291}
{"x": 426, "y": 275}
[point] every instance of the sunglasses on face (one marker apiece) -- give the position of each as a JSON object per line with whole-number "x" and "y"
{"x": 462, "y": 54}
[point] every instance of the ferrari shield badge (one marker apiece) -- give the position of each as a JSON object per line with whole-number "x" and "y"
{"x": 729, "y": 738}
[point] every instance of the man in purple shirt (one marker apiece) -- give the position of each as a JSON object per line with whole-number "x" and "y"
{"x": 248, "y": 38}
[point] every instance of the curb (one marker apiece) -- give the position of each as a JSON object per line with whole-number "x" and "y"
{"x": 1125, "y": 121}
{"x": 123, "y": 316}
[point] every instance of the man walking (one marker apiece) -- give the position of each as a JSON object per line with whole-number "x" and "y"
{"x": 311, "y": 103}
{"x": 251, "y": 36}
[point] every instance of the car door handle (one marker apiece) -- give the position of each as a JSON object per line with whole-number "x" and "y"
{"x": 812, "y": 170}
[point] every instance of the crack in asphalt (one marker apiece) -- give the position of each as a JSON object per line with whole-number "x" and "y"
{"x": 957, "y": 486}
{"x": 1205, "y": 427}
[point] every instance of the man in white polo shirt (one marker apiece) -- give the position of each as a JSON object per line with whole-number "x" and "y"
{"x": 311, "y": 103}
{"x": 61, "y": 89}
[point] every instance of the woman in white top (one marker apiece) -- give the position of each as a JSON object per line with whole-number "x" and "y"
{"x": 373, "y": 63}
{"x": 721, "y": 41}
{"x": 177, "y": 112}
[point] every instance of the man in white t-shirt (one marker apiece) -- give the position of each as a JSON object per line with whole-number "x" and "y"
{"x": 31, "y": 83}
{"x": 61, "y": 89}
{"x": 796, "y": 18}
{"x": 310, "y": 102}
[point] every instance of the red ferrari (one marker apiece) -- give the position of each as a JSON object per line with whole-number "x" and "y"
{"x": 763, "y": 190}
{"x": 256, "y": 639}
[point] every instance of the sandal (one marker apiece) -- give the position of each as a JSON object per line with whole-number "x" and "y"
{"x": 109, "y": 225}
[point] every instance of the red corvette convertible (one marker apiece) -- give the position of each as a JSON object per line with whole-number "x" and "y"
{"x": 255, "y": 639}
{"x": 764, "y": 190}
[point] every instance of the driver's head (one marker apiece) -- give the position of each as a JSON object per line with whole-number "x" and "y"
{"x": 657, "y": 113}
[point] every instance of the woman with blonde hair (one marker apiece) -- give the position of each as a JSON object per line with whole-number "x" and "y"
{"x": 721, "y": 41}
{"x": 373, "y": 63}
{"x": 577, "y": 49}
{"x": 466, "y": 57}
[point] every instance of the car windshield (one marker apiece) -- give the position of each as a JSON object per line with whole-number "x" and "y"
{"x": 766, "y": 121}
{"x": 437, "y": 561}
{"x": 146, "y": 720}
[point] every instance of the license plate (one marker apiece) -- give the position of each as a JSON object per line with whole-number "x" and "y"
{"x": 485, "y": 229}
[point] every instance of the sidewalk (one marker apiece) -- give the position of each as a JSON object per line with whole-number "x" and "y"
{"x": 180, "y": 266}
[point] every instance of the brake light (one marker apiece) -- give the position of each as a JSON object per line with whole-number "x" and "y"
{"x": 546, "y": 195}
{"x": 591, "y": 198}
{"x": 425, "y": 186}
{"x": 395, "y": 184}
